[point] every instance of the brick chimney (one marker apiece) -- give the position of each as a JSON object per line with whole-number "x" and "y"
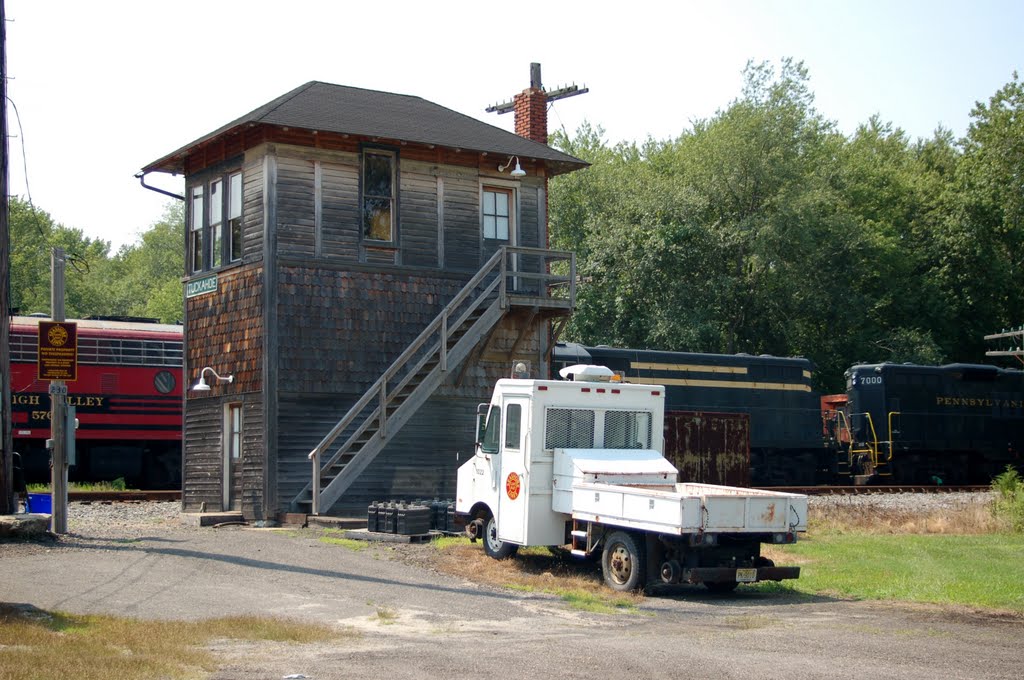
{"x": 531, "y": 107}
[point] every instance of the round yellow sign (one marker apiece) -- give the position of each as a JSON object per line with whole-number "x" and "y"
{"x": 57, "y": 336}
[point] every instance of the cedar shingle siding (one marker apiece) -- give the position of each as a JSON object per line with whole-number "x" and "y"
{"x": 311, "y": 316}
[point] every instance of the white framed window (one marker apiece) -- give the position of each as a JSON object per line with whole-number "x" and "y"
{"x": 496, "y": 213}
{"x": 235, "y": 217}
{"x": 233, "y": 432}
{"x": 196, "y": 229}
{"x": 215, "y": 222}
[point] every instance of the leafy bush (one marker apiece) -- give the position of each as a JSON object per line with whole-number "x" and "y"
{"x": 1009, "y": 502}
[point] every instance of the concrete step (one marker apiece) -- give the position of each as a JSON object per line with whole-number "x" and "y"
{"x": 209, "y": 519}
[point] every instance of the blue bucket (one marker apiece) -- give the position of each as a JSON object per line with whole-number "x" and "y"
{"x": 40, "y": 502}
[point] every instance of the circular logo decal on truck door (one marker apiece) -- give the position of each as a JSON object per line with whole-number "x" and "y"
{"x": 512, "y": 485}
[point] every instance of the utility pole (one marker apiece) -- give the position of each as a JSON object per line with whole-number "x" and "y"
{"x": 58, "y": 404}
{"x": 535, "y": 84}
{"x": 1010, "y": 342}
{"x": 7, "y": 499}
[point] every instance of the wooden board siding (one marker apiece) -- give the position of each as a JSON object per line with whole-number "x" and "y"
{"x": 461, "y": 222}
{"x": 340, "y": 210}
{"x": 224, "y": 330}
{"x": 252, "y": 209}
{"x": 295, "y": 207}
{"x": 254, "y": 505}
{"x": 418, "y": 216}
{"x": 202, "y": 459}
{"x": 438, "y": 220}
{"x": 493, "y": 359}
{"x": 419, "y": 463}
{"x": 339, "y": 330}
{"x": 529, "y": 232}
{"x": 204, "y": 455}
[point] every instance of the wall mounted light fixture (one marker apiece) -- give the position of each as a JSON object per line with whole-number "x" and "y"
{"x": 201, "y": 386}
{"x": 516, "y": 171}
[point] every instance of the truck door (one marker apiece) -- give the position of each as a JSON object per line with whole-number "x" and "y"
{"x": 513, "y": 482}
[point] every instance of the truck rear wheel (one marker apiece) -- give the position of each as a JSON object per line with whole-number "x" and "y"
{"x": 494, "y": 546}
{"x": 622, "y": 562}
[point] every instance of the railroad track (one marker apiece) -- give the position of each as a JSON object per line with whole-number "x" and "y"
{"x": 877, "y": 489}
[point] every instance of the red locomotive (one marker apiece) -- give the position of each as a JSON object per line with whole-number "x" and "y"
{"x": 128, "y": 401}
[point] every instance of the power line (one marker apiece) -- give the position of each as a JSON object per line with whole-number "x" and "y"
{"x": 24, "y": 156}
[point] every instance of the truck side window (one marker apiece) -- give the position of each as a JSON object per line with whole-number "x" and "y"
{"x": 513, "y": 425}
{"x": 627, "y": 430}
{"x": 568, "y": 428}
{"x": 490, "y": 442}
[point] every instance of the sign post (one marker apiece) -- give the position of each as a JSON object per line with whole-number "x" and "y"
{"x": 58, "y": 361}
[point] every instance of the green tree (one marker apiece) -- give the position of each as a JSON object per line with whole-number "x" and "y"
{"x": 148, "y": 272}
{"x": 34, "y": 234}
{"x": 982, "y": 241}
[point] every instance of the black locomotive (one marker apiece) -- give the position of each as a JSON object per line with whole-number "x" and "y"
{"x": 953, "y": 424}
{"x": 897, "y": 423}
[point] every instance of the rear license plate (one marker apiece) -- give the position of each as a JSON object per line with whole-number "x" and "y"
{"x": 746, "y": 575}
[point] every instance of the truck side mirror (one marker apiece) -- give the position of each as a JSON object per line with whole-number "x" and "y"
{"x": 481, "y": 421}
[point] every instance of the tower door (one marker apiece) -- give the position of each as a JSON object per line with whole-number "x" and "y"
{"x": 232, "y": 447}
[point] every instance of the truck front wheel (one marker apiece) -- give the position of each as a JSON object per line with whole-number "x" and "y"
{"x": 494, "y": 546}
{"x": 622, "y": 562}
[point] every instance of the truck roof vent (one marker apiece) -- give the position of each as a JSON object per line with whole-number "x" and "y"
{"x": 585, "y": 373}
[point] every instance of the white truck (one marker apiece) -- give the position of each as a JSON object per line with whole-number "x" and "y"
{"x": 579, "y": 462}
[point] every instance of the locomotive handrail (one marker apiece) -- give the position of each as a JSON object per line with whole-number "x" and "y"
{"x": 892, "y": 439}
{"x": 872, "y": 445}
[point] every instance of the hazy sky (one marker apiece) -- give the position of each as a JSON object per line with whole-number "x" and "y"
{"x": 105, "y": 87}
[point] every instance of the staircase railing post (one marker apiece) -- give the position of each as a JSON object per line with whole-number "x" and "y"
{"x": 504, "y": 275}
{"x": 383, "y": 408}
{"x": 316, "y": 482}
{"x": 444, "y": 339}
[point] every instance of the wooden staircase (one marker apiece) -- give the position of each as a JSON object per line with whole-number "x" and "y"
{"x": 513, "y": 278}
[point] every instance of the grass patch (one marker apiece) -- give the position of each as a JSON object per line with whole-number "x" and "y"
{"x": 39, "y": 644}
{"x": 599, "y": 603}
{"x": 115, "y": 485}
{"x": 970, "y": 570}
{"x": 446, "y": 542}
{"x": 338, "y": 537}
{"x": 386, "y": 616}
{"x": 1008, "y": 506}
{"x": 963, "y": 553}
{"x": 536, "y": 570}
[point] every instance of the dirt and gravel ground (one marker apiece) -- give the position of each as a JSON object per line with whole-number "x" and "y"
{"x": 409, "y": 620}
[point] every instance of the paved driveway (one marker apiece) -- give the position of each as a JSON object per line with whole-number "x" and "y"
{"x": 446, "y": 628}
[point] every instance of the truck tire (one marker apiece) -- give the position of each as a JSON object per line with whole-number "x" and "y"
{"x": 622, "y": 562}
{"x": 493, "y": 546}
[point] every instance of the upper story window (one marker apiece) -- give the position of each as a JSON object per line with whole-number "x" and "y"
{"x": 497, "y": 213}
{"x": 215, "y": 221}
{"x": 195, "y": 230}
{"x": 379, "y": 214}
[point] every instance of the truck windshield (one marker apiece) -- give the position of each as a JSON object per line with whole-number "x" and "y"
{"x": 490, "y": 441}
